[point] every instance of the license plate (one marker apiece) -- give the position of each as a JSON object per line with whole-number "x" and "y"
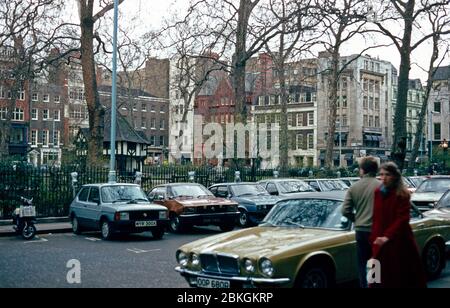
{"x": 212, "y": 283}
{"x": 150, "y": 223}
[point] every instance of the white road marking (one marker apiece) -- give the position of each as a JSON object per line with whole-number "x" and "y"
{"x": 92, "y": 239}
{"x": 137, "y": 250}
{"x": 37, "y": 240}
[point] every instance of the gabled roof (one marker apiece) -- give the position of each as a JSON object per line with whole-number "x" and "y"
{"x": 124, "y": 131}
{"x": 124, "y": 91}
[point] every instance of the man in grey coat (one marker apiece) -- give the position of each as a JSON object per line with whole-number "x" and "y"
{"x": 358, "y": 207}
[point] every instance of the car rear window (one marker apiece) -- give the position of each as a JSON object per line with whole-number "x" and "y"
{"x": 83, "y": 195}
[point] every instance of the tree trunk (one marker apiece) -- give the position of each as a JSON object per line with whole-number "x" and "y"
{"x": 333, "y": 107}
{"x": 96, "y": 111}
{"x": 399, "y": 145}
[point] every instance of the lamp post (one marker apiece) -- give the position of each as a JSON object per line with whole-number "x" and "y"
{"x": 444, "y": 147}
{"x": 430, "y": 136}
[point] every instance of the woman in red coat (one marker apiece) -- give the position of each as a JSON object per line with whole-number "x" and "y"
{"x": 392, "y": 237}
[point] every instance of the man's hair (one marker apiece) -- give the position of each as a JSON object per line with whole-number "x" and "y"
{"x": 369, "y": 165}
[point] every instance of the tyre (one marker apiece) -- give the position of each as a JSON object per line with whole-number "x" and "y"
{"x": 243, "y": 218}
{"x": 158, "y": 233}
{"x": 434, "y": 260}
{"x": 175, "y": 224}
{"x": 314, "y": 277}
{"x": 76, "y": 227}
{"x": 106, "y": 230}
{"x": 226, "y": 227}
{"x": 28, "y": 231}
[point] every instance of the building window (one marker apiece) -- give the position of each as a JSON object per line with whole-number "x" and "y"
{"x": 34, "y": 136}
{"x": 56, "y": 99}
{"x": 162, "y": 109}
{"x": 57, "y": 115}
{"x": 152, "y": 140}
{"x": 134, "y": 106}
{"x": 2, "y": 93}
{"x": 365, "y": 102}
{"x": 377, "y": 103}
{"x": 299, "y": 119}
{"x": 144, "y": 107}
{"x": 310, "y": 139}
{"x": 153, "y": 123}
{"x": 437, "y": 107}
{"x": 44, "y": 139}
{"x": 437, "y": 131}
{"x": 299, "y": 141}
{"x": 46, "y": 98}
{"x": 3, "y": 113}
{"x": 45, "y": 114}
{"x": 152, "y": 108}
{"x": 76, "y": 94}
{"x": 34, "y": 97}
{"x": 344, "y": 120}
{"x": 310, "y": 118}
{"x": 56, "y": 135}
{"x": 371, "y": 121}
{"x": 377, "y": 121}
{"x": 161, "y": 141}
{"x": 21, "y": 94}
{"x": 290, "y": 119}
{"x": 34, "y": 114}
{"x": 18, "y": 114}
{"x": 162, "y": 124}
{"x": 365, "y": 121}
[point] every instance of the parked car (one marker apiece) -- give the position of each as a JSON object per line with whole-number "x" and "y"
{"x": 416, "y": 180}
{"x": 349, "y": 181}
{"x": 327, "y": 184}
{"x": 430, "y": 191}
{"x": 113, "y": 208}
{"x": 254, "y": 201}
{"x": 303, "y": 242}
{"x": 285, "y": 187}
{"x": 191, "y": 204}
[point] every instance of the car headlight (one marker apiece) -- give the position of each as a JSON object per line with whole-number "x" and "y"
{"x": 124, "y": 216}
{"x": 182, "y": 258}
{"x": 163, "y": 215}
{"x": 249, "y": 266}
{"x": 195, "y": 259}
{"x": 266, "y": 267}
{"x": 232, "y": 208}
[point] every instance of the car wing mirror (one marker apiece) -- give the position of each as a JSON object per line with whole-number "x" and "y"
{"x": 345, "y": 222}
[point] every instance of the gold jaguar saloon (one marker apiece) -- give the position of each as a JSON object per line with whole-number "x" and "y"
{"x": 303, "y": 242}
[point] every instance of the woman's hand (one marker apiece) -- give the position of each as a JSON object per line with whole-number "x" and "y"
{"x": 380, "y": 241}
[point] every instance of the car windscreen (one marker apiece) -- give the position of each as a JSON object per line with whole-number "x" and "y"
{"x": 117, "y": 193}
{"x": 444, "y": 203}
{"x": 416, "y": 181}
{"x": 194, "y": 191}
{"x": 288, "y": 187}
{"x": 307, "y": 213}
{"x": 333, "y": 185}
{"x": 248, "y": 190}
{"x": 434, "y": 185}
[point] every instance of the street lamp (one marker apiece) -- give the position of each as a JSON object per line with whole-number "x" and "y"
{"x": 444, "y": 147}
{"x": 430, "y": 125}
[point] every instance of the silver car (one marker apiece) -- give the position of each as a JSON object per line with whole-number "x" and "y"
{"x": 114, "y": 208}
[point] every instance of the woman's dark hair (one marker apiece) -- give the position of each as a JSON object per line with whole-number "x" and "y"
{"x": 369, "y": 165}
{"x": 397, "y": 184}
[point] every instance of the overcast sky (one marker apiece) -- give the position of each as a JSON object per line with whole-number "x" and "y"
{"x": 150, "y": 14}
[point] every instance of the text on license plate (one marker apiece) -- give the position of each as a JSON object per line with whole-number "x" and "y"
{"x": 151, "y": 223}
{"x": 212, "y": 283}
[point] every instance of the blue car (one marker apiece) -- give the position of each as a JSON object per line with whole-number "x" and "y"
{"x": 254, "y": 201}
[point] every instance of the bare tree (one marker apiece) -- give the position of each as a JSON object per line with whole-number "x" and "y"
{"x": 28, "y": 31}
{"x": 437, "y": 18}
{"x": 409, "y": 14}
{"x": 96, "y": 112}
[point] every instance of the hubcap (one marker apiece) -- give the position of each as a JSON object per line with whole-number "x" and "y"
{"x": 315, "y": 280}
{"x": 105, "y": 229}
{"x": 174, "y": 223}
{"x": 28, "y": 231}
{"x": 433, "y": 259}
{"x": 243, "y": 219}
{"x": 75, "y": 224}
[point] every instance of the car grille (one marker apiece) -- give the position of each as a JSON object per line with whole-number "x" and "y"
{"x": 423, "y": 205}
{"x": 211, "y": 209}
{"x": 144, "y": 215}
{"x": 220, "y": 264}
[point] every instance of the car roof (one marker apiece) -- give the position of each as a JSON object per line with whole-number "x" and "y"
{"x": 325, "y": 179}
{"x": 178, "y": 184}
{"x": 281, "y": 180}
{"x": 329, "y": 195}
{"x": 235, "y": 183}
{"x": 109, "y": 184}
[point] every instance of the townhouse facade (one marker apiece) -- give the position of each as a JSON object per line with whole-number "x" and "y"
{"x": 439, "y": 105}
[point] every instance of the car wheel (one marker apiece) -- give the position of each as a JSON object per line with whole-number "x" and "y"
{"x": 158, "y": 233}
{"x": 243, "y": 218}
{"x": 76, "y": 228}
{"x": 106, "y": 230}
{"x": 433, "y": 258}
{"x": 314, "y": 278}
{"x": 226, "y": 227}
{"x": 175, "y": 225}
